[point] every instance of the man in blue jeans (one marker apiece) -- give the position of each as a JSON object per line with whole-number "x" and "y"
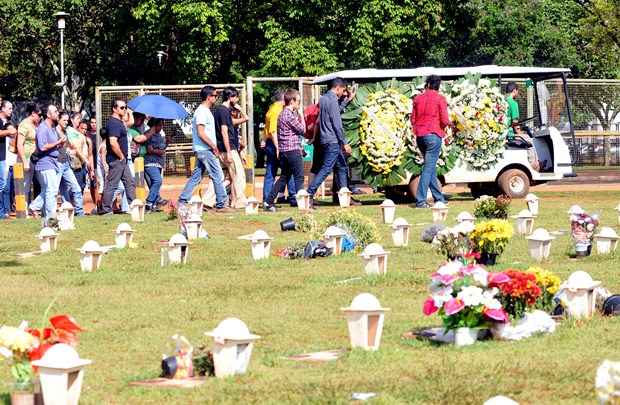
{"x": 269, "y": 144}
{"x": 48, "y": 143}
{"x": 154, "y": 163}
{"x": 429, "y": 118}
{"x": 7, "y": 130}
{"x": 331, "y": 136}
{"x": 67, "y": 184}
{"x": 204, "y": 143}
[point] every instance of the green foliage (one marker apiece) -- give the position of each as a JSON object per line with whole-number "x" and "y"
{"x": 286, "y": 55}
{"x": 488, "y": 207}
{"x": 305, "y": 223}
{"x": 360, "y": 227}
{"x": 224, "y": 41}
{"x": 131, "y": 306}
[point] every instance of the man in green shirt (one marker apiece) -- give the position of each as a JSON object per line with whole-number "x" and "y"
{"x": 513, "y": 110}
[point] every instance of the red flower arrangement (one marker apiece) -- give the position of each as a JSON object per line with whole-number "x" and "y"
{"x": 519, "y": 293}
{"x": 64, "y": 330}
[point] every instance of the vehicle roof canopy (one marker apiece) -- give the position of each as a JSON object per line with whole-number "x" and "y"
{"x": 369, "y": 75}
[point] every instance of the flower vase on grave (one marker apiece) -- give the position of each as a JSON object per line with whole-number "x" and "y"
{"x": 465, "y": 336}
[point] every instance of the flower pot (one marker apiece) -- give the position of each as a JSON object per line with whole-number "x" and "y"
{"x": 22, "y": 398}
{"x": 583, "y": 250}
{"x": 501, "y": 330}
{"x": 488, "y": 259}
{"x": 288, "y": 224}
{"x": 465, "y": 336}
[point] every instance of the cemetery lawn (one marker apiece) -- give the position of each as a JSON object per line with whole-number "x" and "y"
{"x": 131, "y": 307}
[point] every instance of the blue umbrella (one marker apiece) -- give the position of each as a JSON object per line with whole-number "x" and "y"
{"x": 158, "y": 106}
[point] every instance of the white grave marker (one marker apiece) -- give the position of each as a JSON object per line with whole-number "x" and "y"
{"x": 61, "y": 371}
{"x": 66, "y": 216}
{"x": 232, "y": 347}
{"x": 532, "y": 203}
{"x": 606, "y": 241}
{"x": 136, "y": 208}
{"x": 261, "y": 244}
{"x": 578, "y": 295}
{"x": 49, "y": 240}
{"x": 440, "y": 212}
{"x": 375, "y": 259}
{"x": 91, "y": 255}
{"x": 123, "y": 236}
{"x": 525, "y": 222}
{"x": 539, "y": 244}
{"x": 388, "y": 211}
{"x": 334, "y": 237}
{"x": 344, "y": 197}
{"x": 400, "y": 232}
{"x": 365, "y": 318}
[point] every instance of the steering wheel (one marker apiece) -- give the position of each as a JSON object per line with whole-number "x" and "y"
{"x": 532, "y": 118}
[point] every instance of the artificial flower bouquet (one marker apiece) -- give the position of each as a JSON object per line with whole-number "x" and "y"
{"x": 490, "y": 238}
{"x": 549, "y": 285}
{"x": 16, "y": 344}
{"x": 23, "y": 345}
{"x": 454, "y": 242}
{"x": 464, "y": 295}
{"x": 582, "y": 227}
{"x": 492, "y": 207}
{"x": 520, "y": 293}
{"x": 527, "y": 296}
{"x": 478, "y": 110}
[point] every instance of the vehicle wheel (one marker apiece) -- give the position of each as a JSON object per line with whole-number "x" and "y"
{"x": 476, "y": 191}
{"x": 514, "y": 183}
{"x": 413, "y": 188}
{"x": 398, "y": 194}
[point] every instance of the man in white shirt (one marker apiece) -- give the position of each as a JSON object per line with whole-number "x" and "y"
{"x": 204, "y": 144}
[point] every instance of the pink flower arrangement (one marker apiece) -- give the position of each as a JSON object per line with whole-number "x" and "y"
{"x": 464, "y": 295}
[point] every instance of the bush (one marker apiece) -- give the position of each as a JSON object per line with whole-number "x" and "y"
{"x": 305, "y": 223}
{"x": 492, "y": 208}
{"x": 361, "y": 228}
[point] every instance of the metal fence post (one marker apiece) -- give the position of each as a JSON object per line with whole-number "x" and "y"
{"x": 250, "y": 188}
{"x": 138, "y": 165}
{"x": 20, "y": 194}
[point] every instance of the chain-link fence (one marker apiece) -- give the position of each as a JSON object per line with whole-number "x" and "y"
{"x": 178, "y": 133}
{"x": 595, "y": 109}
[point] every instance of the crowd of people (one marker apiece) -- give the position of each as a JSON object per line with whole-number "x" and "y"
{"x": 60, "y": 157}
{"x": 285, "y": 128}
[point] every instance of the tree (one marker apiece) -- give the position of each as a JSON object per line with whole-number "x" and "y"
{"x": 600, "y": 30}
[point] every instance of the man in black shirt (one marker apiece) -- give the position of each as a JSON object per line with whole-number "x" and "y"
{"x": 117, "y": 149}
{"x": 229, "y": 146}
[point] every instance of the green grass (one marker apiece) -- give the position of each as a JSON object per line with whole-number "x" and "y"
{"x": 131, "y": 307}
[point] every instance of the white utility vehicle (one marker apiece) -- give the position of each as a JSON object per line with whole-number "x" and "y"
{"x": 546, "y": 158}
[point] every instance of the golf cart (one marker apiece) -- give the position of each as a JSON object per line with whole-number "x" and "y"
{"x": 524, "y": 163}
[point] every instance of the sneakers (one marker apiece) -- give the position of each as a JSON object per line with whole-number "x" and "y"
{"x": 269, "y": 208}
{"x": 152, "y": 208}
{"x": 224, "y": 210}
{"x": 355, "y": 203}
{"x": 423, "y": 205}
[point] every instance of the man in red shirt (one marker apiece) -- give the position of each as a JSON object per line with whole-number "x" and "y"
{"x": 429, "y": 118}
